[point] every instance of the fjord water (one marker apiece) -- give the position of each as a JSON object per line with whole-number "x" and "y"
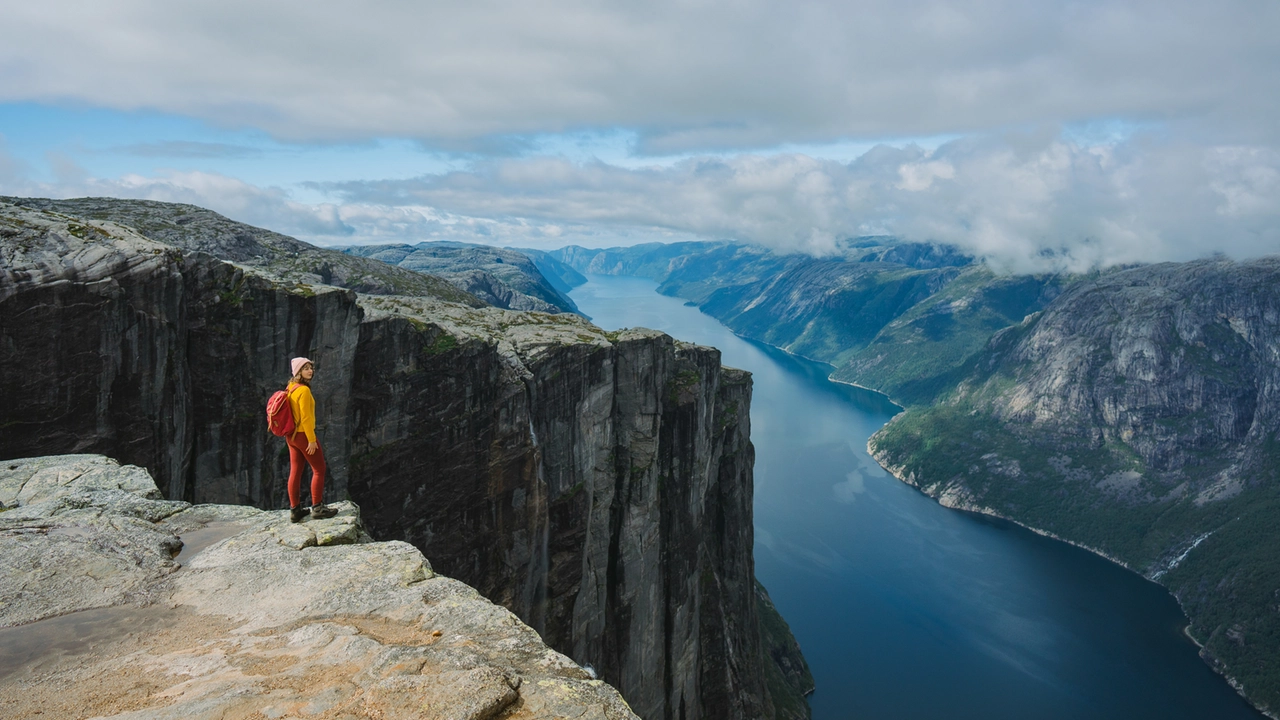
{"x": 905, "y": 609}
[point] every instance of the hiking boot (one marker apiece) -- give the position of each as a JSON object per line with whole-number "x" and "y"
{"x": 322, "y": 511}
{"x": 297, "y": 514}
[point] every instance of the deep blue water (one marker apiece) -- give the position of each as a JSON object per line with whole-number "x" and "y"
{"x": 905, "y": 609}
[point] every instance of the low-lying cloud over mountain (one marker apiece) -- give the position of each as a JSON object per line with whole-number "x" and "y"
{"x": 1024, "y": 202}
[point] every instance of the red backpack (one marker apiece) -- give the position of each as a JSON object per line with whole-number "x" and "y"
{"x": 279, "y": 414}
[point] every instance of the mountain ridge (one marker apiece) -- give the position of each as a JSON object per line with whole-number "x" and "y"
{"x": 1130, "y": 411}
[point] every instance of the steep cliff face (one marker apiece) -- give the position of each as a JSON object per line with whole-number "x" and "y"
{"x": 787, "y": 676}
{"x": 559, "y": 275}
{"x": 618, "y": 470}
{"x": 1138, "y": 415}
{"x": 120, "y": 345}
{"x": 598, "y": 485}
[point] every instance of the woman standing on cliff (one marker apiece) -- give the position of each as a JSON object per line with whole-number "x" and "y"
{"x": 303, "y": 447}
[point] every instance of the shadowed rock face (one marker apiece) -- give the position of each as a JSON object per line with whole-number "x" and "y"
{"x": 120, "y": 345}
{"x": 617, "y": 477}
{"x": 598, "y": 485}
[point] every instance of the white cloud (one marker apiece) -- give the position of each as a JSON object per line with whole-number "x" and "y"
{"x": 1024, "y": 202}
{"x": 685, "y": 75}
{"x": 918, "y": 176}
{"x": 265, "y": 207}
{"x": 690, "y": 79}
{"x": 322, "y": 223}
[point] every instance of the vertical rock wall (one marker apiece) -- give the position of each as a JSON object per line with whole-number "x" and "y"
{"x": 598, "y": 486}
{"x": 600, "y": 489}
{"x": 241, "y": 332}
{"x": 165, "y": 364}
{"x": 90, "y": 359}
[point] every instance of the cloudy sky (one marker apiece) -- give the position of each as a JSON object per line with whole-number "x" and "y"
{"x": 1065, "y": 134}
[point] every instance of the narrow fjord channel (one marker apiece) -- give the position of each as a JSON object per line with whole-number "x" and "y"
{"x": 905, "y": 609}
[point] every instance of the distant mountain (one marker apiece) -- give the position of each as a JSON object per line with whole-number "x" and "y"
{"x": 898, "y": 317}
{"x": 1138, "y": 415}
{"x": 651, "y": 260}
{"x": 1134, "y": 411}
{"x": 503, "y": 278}
{"x": 561, "y": 277}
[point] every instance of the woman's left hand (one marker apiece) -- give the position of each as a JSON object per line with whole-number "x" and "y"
{"x": 312, "y": 447}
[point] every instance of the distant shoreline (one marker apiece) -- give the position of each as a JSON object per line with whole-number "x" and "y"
{"x": 1186, "y": 630}
{"x": 980, "y": 510}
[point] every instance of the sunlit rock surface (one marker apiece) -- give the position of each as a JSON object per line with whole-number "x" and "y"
{"x": 256, "y": 623}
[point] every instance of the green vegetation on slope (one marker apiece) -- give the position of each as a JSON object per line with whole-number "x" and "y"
{"x": 851, "y": 306}
{"x": 1134, "y": 416}
{"x": 924, "y": 351}
{"x": 1228, "y": 587}
{"x": 902, "y": 318}
{"x": 1132, "y": 411}
{"x": 1061, "y": 483}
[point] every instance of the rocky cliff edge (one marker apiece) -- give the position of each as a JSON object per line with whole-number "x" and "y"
{"x": 116, "y": 603}
{"x": 598, "y": 485}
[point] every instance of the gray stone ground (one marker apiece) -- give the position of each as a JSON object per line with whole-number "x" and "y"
{"x": 101, "y": 616}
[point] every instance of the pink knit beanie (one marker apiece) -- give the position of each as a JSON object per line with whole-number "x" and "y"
{"x": 296, "y": 364}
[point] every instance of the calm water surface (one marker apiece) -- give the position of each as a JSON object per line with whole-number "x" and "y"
{"x": 907, "y": 610}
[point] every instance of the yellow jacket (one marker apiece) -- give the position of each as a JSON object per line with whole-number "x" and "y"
{"x": 303, "y": 407}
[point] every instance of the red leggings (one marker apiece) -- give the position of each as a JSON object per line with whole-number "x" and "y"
{"x": 297, "y": 458}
